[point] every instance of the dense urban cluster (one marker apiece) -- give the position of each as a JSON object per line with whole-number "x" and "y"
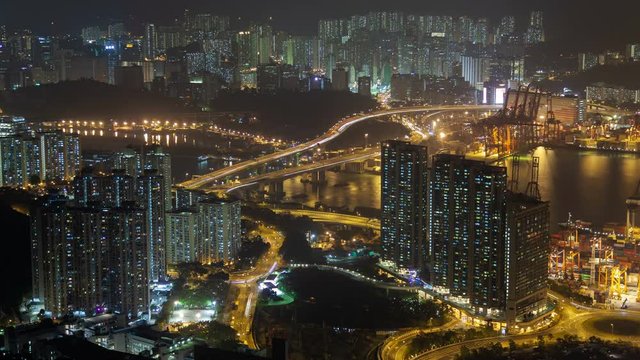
{"x": 104, "y": 244}
{"x": 393, "y": 222}
{"x": 487, "y": 247}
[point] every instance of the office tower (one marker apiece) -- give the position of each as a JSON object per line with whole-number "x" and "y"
{"x": 364, "y": 85}
{"x": 527, "y": 254}
{"x": 150, "y": 42}
{"x": 219, "y": 229}
{"x": 182, "y": 232}
{"x": 535, "y": 31}
{"x": 404, "y": 204}
{"x": 155, "y": 158}
{"x": 151, "y": 197}
{"x": 466, "y": 224}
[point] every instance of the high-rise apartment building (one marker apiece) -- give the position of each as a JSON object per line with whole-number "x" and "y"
{"x": 156, "y": 158}
{"x": 150, "y": 42}
{"x": 60, "y": 156}
{"x": 488, "y": 247}
{"x": 535, "y": 31}
{"x": 89, "y": 258}
{"x": 151, "y": 197}
{"x": 404, "y": 204}
{"x": 466, "y": 223}
{"x": 26, "y": 159}
{"x": 527, "y": 255}
{"x": 219, "y": 232}
{"x": 182, "y": 236}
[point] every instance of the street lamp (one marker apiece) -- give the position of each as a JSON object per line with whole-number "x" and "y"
{"x": 366, "y": 140}
{"x": 611, "y": 328}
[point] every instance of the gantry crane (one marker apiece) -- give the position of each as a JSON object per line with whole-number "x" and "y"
{"x": 632, "y": 233}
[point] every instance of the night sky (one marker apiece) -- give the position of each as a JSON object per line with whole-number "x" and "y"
{"x": 576, "y": 23}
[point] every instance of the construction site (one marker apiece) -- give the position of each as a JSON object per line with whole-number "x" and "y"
{"x": 602, "y": 264}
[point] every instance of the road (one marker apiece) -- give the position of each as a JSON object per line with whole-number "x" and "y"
{"x": 396, "y": 345}
{"x": 244, "y": 288}
{"x": 332, "y": 133}
{"x": 290, "y": 172}
{"x": 334, "y": 218}
{"x": 574, "y": 320}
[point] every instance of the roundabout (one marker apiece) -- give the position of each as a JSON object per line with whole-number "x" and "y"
{"x": 614, "y": 325}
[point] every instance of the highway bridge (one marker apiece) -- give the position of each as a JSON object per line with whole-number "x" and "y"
{"x": 335, "y": 131}
{"x": 334, "y": 218}
{"x": 283, "y": 174}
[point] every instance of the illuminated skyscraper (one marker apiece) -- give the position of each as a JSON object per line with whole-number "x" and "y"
{"x": 466, "y": 223}
{"x": 527, "y": 256}
{"x": 155, "y": 158}
{"x": 505, "y": 30}
{"x": 49, "y": 156}
{"x": 11, "y": 160}
{"x": 182, "y": 236}
{"x": 129, "y": 161}
{"x": 60, "y": 155}
{"x": 129, "y": 246}
{"x": 219, "y": 229}
{"x": 149, "y": 45}
{"x": 404, "y": 204}
{"x": 151, "y": 197}
{"x": 51, "y": 254}
{"x": 488, "y": 247}
{"x": 535, "y": 31}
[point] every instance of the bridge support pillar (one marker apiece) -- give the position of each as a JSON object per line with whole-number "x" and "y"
{"x": 276, "y": 190}
{"x": 319, "y": 177}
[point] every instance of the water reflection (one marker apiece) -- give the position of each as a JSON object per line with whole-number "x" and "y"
{"x": 592, "y": 186}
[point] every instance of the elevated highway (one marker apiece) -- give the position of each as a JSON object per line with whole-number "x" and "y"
{"x": 335, "y": 131}
{"x": 334, "y": 218}
{"x": 291, "y": 172}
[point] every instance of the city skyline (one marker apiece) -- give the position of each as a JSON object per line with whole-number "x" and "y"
{"x": 569, "y": 22}
{"x": 287, "y": 180}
